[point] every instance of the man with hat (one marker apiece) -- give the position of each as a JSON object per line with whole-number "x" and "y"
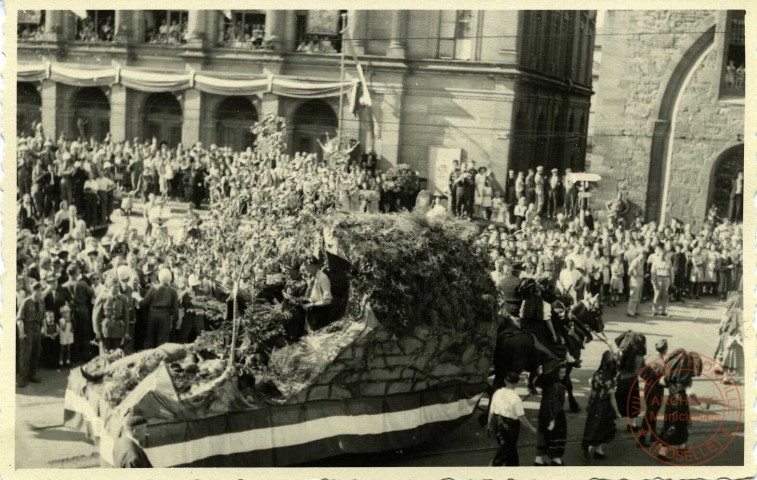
{"x": 555, "y": 193}
{"x": 82, "y": 296}
{"x": 110, "y": 316}
{"x": 55, "y": 296}
{"x": 29, "y": 321}
{"x": 541, "y": 198}
{"x": 127, "y": 450}
{"x": 453, "y": 185}
{"x": 192, "y": 323}
{"x": 508, "y": 287}
{"x": 295, "y": 290}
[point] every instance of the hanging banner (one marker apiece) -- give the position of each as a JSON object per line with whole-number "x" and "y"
{"x": 223, "y": 86}
{"x": 155, "y": 82}
{"x": 308, "y": 89}
{"x": 80, "y": 13}
{"x": 147, "y": 81}
{"x": 80, "y": 77}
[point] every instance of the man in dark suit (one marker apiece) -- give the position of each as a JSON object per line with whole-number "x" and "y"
{"x": 453, "y": 186}
{"x": 127, "y": 451}
{"x": 55, "y": 296}
{"x": 555, "y": 194}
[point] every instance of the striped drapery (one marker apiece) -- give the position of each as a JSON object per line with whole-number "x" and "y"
{"x": 209, "y": 82}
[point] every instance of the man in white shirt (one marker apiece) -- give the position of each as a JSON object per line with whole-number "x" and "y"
{"x": 661, "y": 271}
{"x": 635, "y": 282}
{"x": 570, "y": 280}
{"x": 318, "y": 298}
{"x": 506, "y": 413}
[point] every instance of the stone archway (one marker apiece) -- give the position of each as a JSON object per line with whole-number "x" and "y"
{"x": 663, "y": 124}
{"x": 91, "y": 114}
{"x": 722, "y": 172}
{"x": 235, "y": 117}
{"x": 29, "y": 102}
{"x": 312, "y": 120}
{"x": 162, "y": 118}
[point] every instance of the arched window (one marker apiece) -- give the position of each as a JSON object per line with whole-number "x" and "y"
{"x": 29, "y": 104}
{"x": 91, "y": 113}
{"x": 235, "y": 118}
{"x": 163, "y": 118}
{"x": 312, "y": 121}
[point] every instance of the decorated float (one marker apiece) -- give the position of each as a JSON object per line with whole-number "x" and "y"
{"x": 405, "y": 356}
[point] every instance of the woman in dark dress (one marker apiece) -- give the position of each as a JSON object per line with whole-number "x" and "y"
{"x": 553, "y": 427}
{"x": 602, "y": 408}
{"x": 676, "y": 421}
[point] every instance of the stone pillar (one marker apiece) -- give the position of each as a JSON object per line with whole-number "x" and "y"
{"x": 398, "y": 42}
{"x": 269, "y": 104}
{"x": 274, "y": 29}
{"x": 123, "y": 26}
{"x": 357, "y": 23}
{"x": 138, "y": 26}
{"x": 68, "y": 21}
{"x": 49, "y": 96}
{"x": 52, "y": 25}
{"x": 190, "y": 128}
{"x": 118, "y": 113}
{"x": 213, "y": 21}
{"x": 290, "y": 25}
{"x": 196, "y": 28}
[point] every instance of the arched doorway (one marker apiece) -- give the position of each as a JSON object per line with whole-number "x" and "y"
{"x": 312, "y": 121}
{"x": 91, "y": 114}
{"x": 724, "y": 171}
{"x": 29, "y": 110}
{"x": 163, "y": 118}
{"x": 520, "y": 145}
{"x": 541, "y": 146}
{"x": 235, "y": 117}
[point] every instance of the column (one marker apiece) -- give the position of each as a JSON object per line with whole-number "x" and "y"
{"x": 118, "y": 113}
{"x": 52, "y": 25}
{"x": 196, "y": 28}
{"x": 269, "y": 104}
{"x": 49, "y": 96}
{"x": 274, "y": 31}
{"x": 123, "y": 25}
{"x": 398, "y": 42}
{"x": 190, "y": 128}
{"x": 213, "y": 19}
{"x": 357, "y": 22}
{"x": 138, "y": 26}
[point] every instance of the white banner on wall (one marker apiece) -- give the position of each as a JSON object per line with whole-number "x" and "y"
{"x": 440, "y": 166}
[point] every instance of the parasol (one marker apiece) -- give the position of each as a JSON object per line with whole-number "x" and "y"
{"x": 682, "y": 366}
{"x": 583, "y": 177}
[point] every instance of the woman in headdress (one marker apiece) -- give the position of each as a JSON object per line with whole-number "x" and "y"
{"x": 602, "y": 408}
{"x": 553, "y": 427}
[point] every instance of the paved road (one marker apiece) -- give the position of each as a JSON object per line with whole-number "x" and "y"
{"x": 43, "y": 442}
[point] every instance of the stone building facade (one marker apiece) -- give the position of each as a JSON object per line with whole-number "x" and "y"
{"x": 506, "y": 88}
{"x": 668, "y": 128}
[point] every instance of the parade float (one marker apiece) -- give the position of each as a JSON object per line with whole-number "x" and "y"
{"x": 405, "y": 357}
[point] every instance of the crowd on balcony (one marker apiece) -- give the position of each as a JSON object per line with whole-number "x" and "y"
{"x": 317, "y": 44}
{"x": 172, "y": 34}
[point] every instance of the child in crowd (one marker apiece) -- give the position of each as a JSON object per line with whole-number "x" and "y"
{"x": 50, "y": 345}
{"x": 65, "y": 335}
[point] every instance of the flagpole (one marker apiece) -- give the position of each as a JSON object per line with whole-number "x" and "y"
{"x": 341, "y": 81}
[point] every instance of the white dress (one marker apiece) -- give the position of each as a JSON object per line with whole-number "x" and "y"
{"x": 66, "y": 332}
